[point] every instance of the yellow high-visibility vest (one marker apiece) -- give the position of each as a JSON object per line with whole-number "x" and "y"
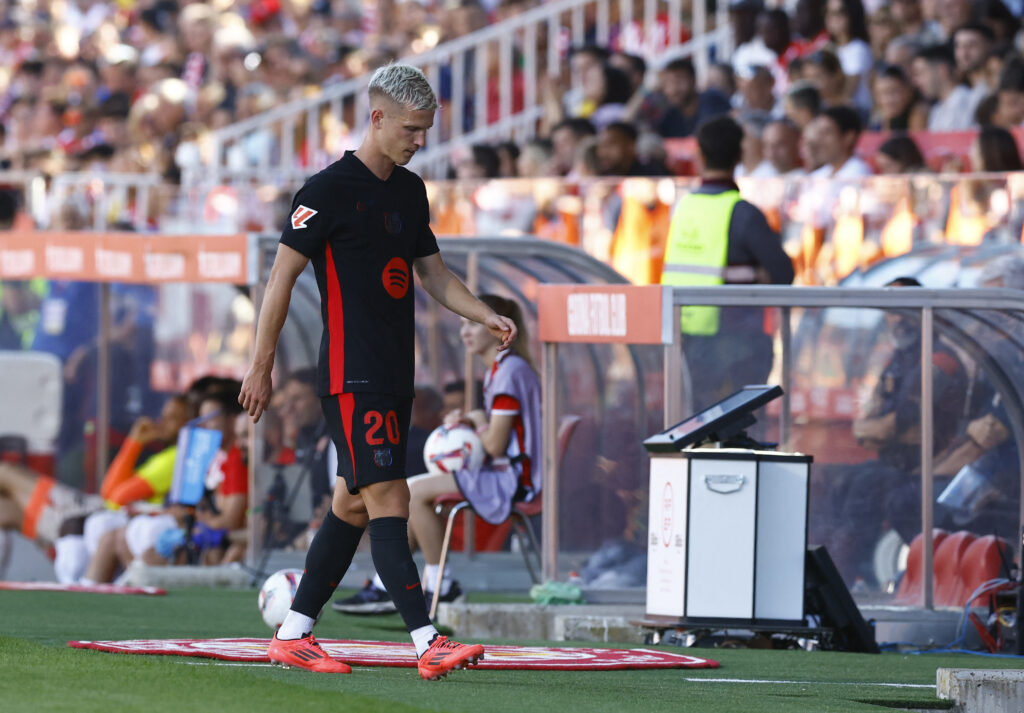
{"x": 698, "y": 247}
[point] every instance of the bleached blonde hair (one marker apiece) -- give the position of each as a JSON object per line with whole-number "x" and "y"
{"x": 405, "y": 85}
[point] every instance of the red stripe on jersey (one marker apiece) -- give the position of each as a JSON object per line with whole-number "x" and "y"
{"x": 504, "y": 402}
{"x": 526, "y": 479}
{"x": 346, "y": 407}
{"x": 335, "y": 325}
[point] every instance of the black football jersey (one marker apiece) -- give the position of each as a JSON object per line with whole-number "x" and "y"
{"x": 362, "y": 235}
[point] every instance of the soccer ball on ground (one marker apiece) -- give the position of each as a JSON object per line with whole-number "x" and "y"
{"x": 450, "y": 448}
{"x": 277, "y": 594}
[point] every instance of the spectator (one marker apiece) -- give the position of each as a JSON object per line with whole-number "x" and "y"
{"x": 608, "y": 88}
{"x": 997, "y": 17}
{"x": 899, "y": 154}
{"x": 994, "y": 150}
{"x": 752, "y": 161}
{"x": 508, "y": 156}
{"x": 781, "y": 146}
{"x": 809, "y": 26}
{"x": 757, "y": 90}
{"x": 901, "y": 52}
{"x": 1010, "y": 107}
{"x": 935, "y": 77}
{"x": 951, "y": 14}
{"x": 765, "y": 49}
{"x": 825, "y": 72}
{"x": 897, "y": 107}
{"x": 562, "y": 101}
{"x": 750, "y": 50}
{"x": 848, "y": 30}
{"x": 912, "y": 24}
{"x": 881, "y": 30}
{"x": 802, "y": 104}
{"x": 535, "y": 160}
{"x": 566, "y": 136}
{"x": 830, "y": 141}
{"x": 479, "y": 162}
{"x": 678, "y": 107}
{"x": 634, "y": 66}
{"x": 970, "y": 49}
{"x": 617, "y": 154}
{"x": 713, "y": 228}
{"x": 721, "y": 79}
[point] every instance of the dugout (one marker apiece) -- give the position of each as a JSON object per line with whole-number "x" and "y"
{"x": 829, "y": 349}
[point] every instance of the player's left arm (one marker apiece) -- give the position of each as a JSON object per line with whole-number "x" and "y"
{"x": 448, "y": 290}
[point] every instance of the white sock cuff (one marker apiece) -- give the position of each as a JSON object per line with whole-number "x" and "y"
{"x": 295, "y": 626}
{"x": 422, "y": 637}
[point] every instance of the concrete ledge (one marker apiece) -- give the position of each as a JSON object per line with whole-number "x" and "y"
{"x": 982, "y": 690}
{"x": 600, "y": 623}
{"x": 181, "y": 576}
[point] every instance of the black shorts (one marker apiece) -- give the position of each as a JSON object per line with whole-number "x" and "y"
{"x": 370, "y": 432}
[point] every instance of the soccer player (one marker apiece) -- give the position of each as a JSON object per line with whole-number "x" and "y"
{"x": 364, "y": 222}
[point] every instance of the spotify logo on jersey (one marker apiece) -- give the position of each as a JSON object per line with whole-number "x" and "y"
{"x": 396, "y": 278}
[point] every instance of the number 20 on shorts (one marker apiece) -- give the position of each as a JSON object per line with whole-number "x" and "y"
{"x": 373, "y": 420}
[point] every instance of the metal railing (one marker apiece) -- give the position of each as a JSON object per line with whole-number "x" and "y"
{"x": 103, "y": 200}
{"x": 489, "y": 82}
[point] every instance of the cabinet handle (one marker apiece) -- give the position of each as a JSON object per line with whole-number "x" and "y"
{"x": 724, "y": 484}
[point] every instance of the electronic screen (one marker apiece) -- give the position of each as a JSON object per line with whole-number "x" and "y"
{"x": 732, "y": 411}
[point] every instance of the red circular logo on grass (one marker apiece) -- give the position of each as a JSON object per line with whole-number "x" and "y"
{"x": 396, "y": 278}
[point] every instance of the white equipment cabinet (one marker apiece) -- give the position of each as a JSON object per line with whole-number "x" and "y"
{"x": 727, "y": 536}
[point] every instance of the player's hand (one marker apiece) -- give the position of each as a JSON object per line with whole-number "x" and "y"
{"x": 503, "y": 328}
{"x": 143, "y": 431}
{"x": 256, "y": 390}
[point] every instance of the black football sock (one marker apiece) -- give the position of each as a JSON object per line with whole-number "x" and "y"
{"x": 389, "y": 546}
{"x": 327, "y": 560}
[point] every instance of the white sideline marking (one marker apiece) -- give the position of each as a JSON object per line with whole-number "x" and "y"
{"x": 809, "y": 683}
{"x": 251, "y": 664}
{"x": 695, "y": 679}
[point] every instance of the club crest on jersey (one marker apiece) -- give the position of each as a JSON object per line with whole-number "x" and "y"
{"x": 396, "y": 278}
{"x": 301, "y": 216}
{"x": 382, "y": 457}
{"x": 393, "y": 222}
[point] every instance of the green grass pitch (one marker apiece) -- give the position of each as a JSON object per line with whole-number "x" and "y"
{"x": 38, "y": 672}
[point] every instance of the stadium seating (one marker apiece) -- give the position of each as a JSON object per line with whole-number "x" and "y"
{"x": 948, "y": 557}
{"x": 909, "y": 591}
{"x": 963, "y": 562}
{"x": 986, "y": 558}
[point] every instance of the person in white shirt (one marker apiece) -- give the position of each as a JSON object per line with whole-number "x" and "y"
{"x": 829, "y": 143}
{"x": 971, "y": 44}
{"x": 934, "y": 75}
{"x": 848, "y": 29}
{"x": 780, "y": 145}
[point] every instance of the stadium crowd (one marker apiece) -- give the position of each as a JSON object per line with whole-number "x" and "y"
{"x": 132, "y": 86}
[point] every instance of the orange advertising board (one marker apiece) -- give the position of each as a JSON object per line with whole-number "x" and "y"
{"x": 124, "y": 257}
{"x": 622, "y": 314}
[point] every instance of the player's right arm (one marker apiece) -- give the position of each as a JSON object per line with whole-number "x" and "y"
{"x": 256, "y": 386}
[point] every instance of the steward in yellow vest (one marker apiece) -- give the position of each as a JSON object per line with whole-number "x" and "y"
{"x": 715, "y": 238}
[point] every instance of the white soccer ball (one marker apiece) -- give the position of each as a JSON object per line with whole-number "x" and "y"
{"x": 450, "y": 448}
{"x": 277, "y": 594}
